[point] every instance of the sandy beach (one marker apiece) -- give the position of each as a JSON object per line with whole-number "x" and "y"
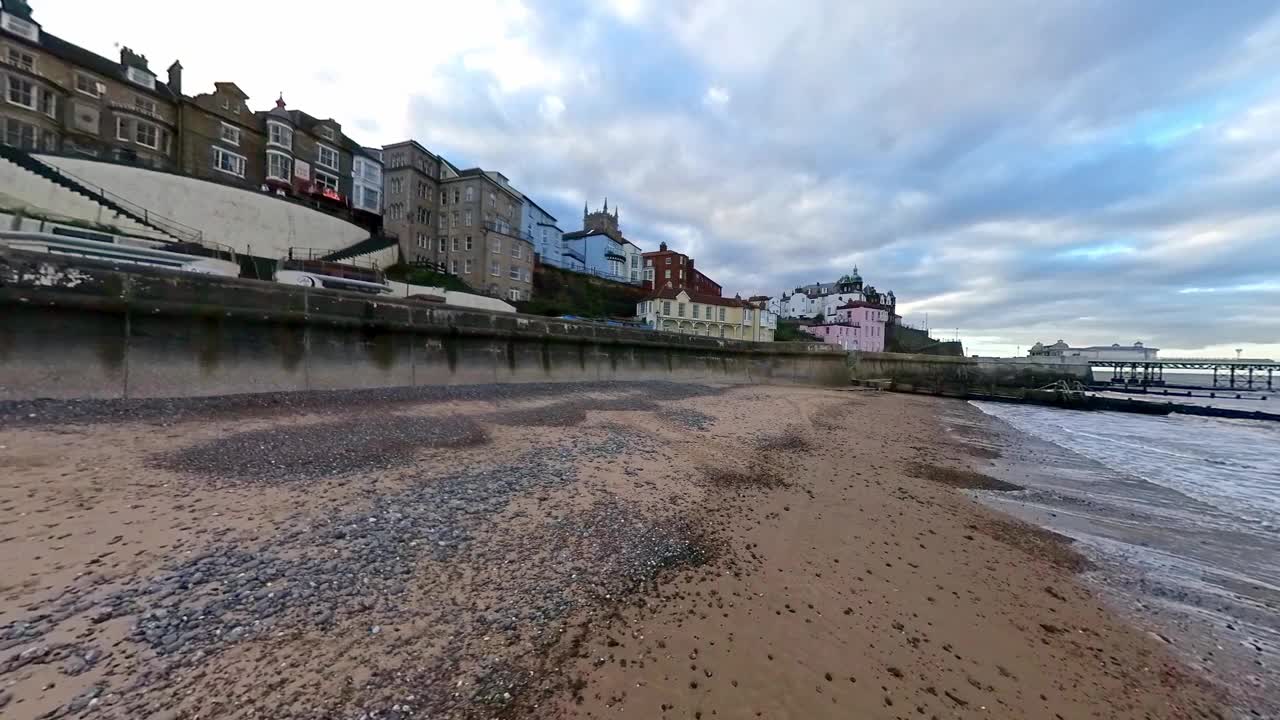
{"x": 588, "y": 550}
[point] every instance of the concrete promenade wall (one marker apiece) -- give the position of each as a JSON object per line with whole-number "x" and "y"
{"x": 71, "y": 328}
{"x": 941, "y": 372}
{"x": 252, "y": 223}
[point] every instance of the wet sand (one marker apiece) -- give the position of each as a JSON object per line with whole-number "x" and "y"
{"x": 591, "y": 550}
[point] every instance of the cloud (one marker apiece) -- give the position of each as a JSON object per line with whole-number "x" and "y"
{"x": 1021, "y": 171}
{"x": 716, "y": 97}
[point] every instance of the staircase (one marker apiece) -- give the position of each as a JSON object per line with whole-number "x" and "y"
{"x": 32, "y": 187}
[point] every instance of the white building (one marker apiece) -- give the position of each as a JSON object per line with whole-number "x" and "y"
{"x": 1136, "y": 352}
{"x": 366, "y": 180}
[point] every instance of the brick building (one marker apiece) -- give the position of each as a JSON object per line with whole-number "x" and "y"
{"x": 667, "y": 268}
{"x": 59, "y": 97}
{"x": 466, "y": 222}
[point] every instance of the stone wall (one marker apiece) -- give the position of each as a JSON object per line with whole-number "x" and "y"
{"x": 71, "y": 328}
{"x": 963, "y": 373}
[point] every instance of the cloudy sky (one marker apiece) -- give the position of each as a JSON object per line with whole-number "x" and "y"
{"x": 1091, "y": 170}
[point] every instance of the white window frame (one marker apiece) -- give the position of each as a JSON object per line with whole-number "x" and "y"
{"x": 666, "y": 307}
{"x": 52, "y": 110}
{"x": 317, "y": 174}
{"x": 470, "y": 193}
{"x": 93, "y": 81}
{"x": 219, "y": 153}
{"x": 286, "y": 132}
{"x": 288, "y": 159}
{"x": 234, "y": 132}
{"x": 516, "y": 251}
{"x": 466, "y": 218}
{"x": 453, "y": 266}
{"x": 514, "y": 273}
{"x": 513, "y": 294}
{"x": 497, "y": 245}
{"x": 495, "y": 268}
{"x": 138, "y": 76}
{"x": 320, "y": 151}
{"x": 138, "y": 125}
{"x": 146, "y": 105}
{"x": 121, "y": 134}
{"x": 23, "y": 57}
{"x": 326, "y": 132}
{"x": 32, "y": 92}
{"x": 466, "y": 267}
{"x": 470, "y": 243}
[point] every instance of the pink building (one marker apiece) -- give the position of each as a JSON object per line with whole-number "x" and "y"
{"x": 859, "y": 325}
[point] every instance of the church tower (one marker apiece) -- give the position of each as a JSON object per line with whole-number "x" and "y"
{"x": 602, "y": 221}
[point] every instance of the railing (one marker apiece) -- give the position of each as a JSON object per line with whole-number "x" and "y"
{"x": 312, "y": 260}
{"x": 155, "y": 220}
{"x": 599, "y": 273}
{"x": 67, "y": 244}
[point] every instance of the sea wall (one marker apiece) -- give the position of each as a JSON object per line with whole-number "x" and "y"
{"x": 960, "y": 373}
{"x": 72, "y": 328}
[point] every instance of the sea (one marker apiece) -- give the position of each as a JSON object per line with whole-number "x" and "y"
{"x": 1180, "y": 513}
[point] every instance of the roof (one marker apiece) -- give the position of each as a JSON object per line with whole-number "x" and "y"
{"x": 862, "y": 304}
{"x": 93, "y": 62}
{"x": 544, "y": 210}
{"x": 670, "y": 293}
{"x": 577, "y": 234}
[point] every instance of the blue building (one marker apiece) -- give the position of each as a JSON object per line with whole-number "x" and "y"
{"x": 600, "y": 249}
{"x": 540, "y": 227}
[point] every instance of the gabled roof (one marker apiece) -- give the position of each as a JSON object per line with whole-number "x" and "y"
{"x": 670, "y": 293}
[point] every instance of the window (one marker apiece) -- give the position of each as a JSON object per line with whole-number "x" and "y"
{"x": 228, "y": 162}
{"x": 230, "y": 134}
{"x": 471, "y": 193}
{"x": 493, "y": 200}
{"x": 424, "y": 215}
{"x": 497, "y": 245}
{"x": 721, "y": 314}
{"x": 668, "y": 259}
{"x": 422, "y": 190}
{"x": 455, "y": 243}
{"x": 24, "y": 60}
{"x": 144, "y": 105}
{"x": 453, "y": 221}
{"x": 146, "y": 134}
{"x": 22, "y": 92}
{"x": 666, "y": 307}
{"x": 327, "y": 181}
{"x": 228, "y": 105}
{"x": 280, "y": 166}
{"x": 327, "y": 157}
{"x": 444, "y": 197}
{"x": 469, "y": 244}
{"x": 494, "y": 270}
{"x": 88, "y": 85}
{"x": 18, "y": 26}
{"x": 467, "y": 266}
{"x": 648, "y": 262}
{"x": 326, "y": 132}
{"x": 396, "y": 186}
{"x": 19, "y": 134}
{"x": 443, "y": 223}
{"x": 466, "y": 218}
{"x": 694, "y": 309}
{"x": 443, "y": 244}
{"x": 680, "y": 310}
{"x": 368, "y": 198}
{"x": 513, "y": 294}
{"x": 422, "y": 240}
{"x": 279, "y": 134}
{"x": 453, "y": 266}
{"x": 48, "y": 103}
{"x": 668, "y": 274}
{"x": 514, "y": 273}
{"x": 516, "y": 251}
{"x": 141, "y": 77}
{"x": 86, "y": 118}
{"x": 681, "y": 259}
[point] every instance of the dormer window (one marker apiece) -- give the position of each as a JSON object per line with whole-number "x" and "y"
{"x": 326, "y": 132}
{"x": 279, "y": 134}
{"x": 141, "y": 77}
{"x": 20, "y": 27}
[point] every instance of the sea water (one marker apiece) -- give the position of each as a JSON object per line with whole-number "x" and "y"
{"x": 1182, "y": 514}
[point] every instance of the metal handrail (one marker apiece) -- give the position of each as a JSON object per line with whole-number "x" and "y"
{"x": 169, "y": 225}
{"x": 78, "y": 243}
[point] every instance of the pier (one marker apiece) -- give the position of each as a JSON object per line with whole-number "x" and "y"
{"x": 1234, "y": 374}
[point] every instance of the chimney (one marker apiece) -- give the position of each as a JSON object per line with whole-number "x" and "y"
{"x": 662, "y": 247}
{"x": 129, "y": 58}
{"x": 175, "y": 77}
